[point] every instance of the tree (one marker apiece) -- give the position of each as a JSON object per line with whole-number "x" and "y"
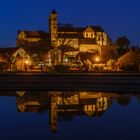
{"x": 123, "y": 42}
{"x": 123, "y": 100}
{"x": 108, "y": 53}
{"x": 83, "y": 56}
{"x": 129, "y": 61}
{"x": 111, "y": 64}
{"x": 37, "y": 55}
{"x": 66, "y": 45}
{"x": 6, "y": 58}
{"x": 87, "y": 58}
{"x": 19, "y": 63}
{"x": 53, "y": 57}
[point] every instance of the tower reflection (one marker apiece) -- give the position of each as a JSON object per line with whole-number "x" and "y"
{"x": 62, "y": 105}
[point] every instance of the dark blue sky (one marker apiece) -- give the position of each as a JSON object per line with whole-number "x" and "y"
{"x": 117, "y": 17}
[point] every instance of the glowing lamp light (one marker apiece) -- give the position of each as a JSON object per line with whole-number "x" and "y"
{"x": 97, "y": 59}
{"x": 26, "y": 62}
{"x": 66, "y": 60}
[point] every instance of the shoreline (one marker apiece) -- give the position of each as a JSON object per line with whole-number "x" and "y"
{"x": 107, "y": 82}
{"x": 129, "y": 73}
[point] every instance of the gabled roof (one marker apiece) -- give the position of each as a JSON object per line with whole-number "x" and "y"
{"x": 97, "y": 28}
{"x": 8, "y": 51}
{"x": 79, "y": 29}
{"x": 35, "y": 34}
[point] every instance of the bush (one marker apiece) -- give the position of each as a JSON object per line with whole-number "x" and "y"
{"x": 130, "y": 67}
{"x": 3, "y": 66}
{"x": 61, "y": 68}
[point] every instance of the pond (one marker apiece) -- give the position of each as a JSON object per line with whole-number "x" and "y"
{"x": 66, "y": 115}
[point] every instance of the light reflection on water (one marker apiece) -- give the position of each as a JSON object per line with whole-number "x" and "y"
{"x": 69, "y": 115}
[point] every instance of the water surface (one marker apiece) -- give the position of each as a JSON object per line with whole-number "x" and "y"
{"x": 69, "y": 115}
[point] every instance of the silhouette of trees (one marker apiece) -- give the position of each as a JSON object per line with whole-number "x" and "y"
{"x": 123, "y": 100}
{"x": 123, "y": 42}
{"x": 6, "y": 60}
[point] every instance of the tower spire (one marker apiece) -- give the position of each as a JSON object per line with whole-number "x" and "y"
{"x": 53, "y": 28}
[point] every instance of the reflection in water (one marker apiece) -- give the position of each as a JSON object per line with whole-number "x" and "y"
{"x": 77, "y": 115}
{"x": 65, "y": 104}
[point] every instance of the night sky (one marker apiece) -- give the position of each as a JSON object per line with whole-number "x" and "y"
{"x": 117, "y": 17}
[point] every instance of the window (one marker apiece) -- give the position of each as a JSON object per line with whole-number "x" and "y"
{"x": 53, "y": 19}
{"x": 99, "y": 37}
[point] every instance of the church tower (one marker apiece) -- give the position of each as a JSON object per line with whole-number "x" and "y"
{"x": 53, "y": 28}
{"x": 53, "y": 113}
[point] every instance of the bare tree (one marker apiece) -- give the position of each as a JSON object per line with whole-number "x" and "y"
{"x": 66, "y": 45}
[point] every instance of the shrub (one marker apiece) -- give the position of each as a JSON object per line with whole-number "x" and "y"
{"x": 3, "y": 66}
{"x": 61, "y": 68}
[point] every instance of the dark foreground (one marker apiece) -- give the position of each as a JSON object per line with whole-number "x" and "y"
{"x": 114, "y": 82}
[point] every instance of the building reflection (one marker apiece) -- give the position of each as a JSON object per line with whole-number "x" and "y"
{"x": 63, "y": 105}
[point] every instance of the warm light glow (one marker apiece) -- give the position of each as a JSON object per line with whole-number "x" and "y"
{"x": 97, "y": 59}
{"x": 66, "y": 60}
{"x": 27, "y": 62}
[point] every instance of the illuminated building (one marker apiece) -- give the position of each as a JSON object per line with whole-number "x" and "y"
{"x": 81, "y": 38}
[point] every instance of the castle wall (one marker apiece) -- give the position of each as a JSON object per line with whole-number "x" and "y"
{"x": 88, "y": 47}
{"x": 68, "y": 41}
